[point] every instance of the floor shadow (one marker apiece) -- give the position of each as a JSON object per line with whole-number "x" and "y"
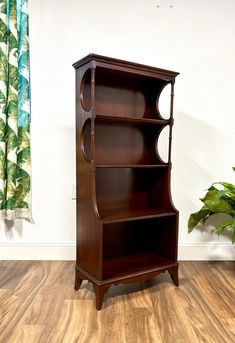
{"x": 129, "y": 288}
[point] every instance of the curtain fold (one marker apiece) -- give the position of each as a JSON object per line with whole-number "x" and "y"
{"x": 15, "y": 161}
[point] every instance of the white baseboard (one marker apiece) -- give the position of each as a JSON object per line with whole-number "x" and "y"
{"x": 206, "y": 251}
{"x": 67, "y": 251}
{"x": 62, "y": 251}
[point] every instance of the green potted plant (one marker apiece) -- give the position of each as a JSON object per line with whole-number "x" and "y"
{"x": 220, "y": 198}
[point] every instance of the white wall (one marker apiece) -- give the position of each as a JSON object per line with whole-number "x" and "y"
{"x": 195, "y": 38}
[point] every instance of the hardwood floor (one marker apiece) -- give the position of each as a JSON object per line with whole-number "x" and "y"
{"x": 38, "y": 304}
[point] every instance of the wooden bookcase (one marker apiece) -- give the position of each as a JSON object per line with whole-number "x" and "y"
{"x": 127, "y": 225}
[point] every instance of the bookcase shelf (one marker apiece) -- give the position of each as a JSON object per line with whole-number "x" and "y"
{"x": 166, "y": 165}
{"x": 131, "y": 120}
{"x": 127, "y": 225}
{"x": 122, "y": 215}
{"x": 134, "y": 265}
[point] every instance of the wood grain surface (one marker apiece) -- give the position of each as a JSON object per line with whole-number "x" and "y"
{"x": 38, "y": 304}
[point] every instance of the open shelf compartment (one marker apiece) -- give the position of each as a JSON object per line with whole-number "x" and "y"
{"x": 122, "y": 94}
{"x": 138, "y": 246}
{"x": 123, "y": 143}
{"x": 132, "y": 193}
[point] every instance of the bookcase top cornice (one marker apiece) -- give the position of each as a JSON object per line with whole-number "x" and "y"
{"x": 110, "y": 61}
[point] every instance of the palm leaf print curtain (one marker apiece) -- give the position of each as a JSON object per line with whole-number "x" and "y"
{"x": 15, "y": 163}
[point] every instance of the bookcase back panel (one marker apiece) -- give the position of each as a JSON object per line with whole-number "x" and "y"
{"x": 127, "y": 188}
{"x": 122, "y": 94}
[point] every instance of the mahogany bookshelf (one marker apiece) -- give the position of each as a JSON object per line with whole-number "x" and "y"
{"x": 127, "y": 225}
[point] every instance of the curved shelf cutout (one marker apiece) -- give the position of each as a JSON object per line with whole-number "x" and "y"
{"x": 85, "y": 91}
{"x": 164, "y": 102}
{"x": 162, "y": 144}
{"x": 86, "y": 140}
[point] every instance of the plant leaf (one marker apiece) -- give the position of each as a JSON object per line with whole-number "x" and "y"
{"x": 228, "y": 224}
{"x": 217, "y": 200}
{"x": 226, "y": 185}
{"x": 211, "y": 194}
{"x": 218, "y": 205}
{"x": 196, "y": 217}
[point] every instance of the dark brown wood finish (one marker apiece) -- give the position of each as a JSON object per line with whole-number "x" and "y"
{"x": 127, "y": 225}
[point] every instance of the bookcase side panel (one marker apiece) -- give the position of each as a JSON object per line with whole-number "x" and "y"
{"x": 89, "y": 227}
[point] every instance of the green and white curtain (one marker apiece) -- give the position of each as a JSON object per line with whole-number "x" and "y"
{"x": 15, "y": 163}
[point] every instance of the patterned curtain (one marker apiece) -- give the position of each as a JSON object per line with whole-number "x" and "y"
{"x": 15, "y": 162}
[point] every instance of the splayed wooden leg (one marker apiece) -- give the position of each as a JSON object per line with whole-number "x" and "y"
{"x": 174, "y": 275}
{"x": 78, "y": 280}
{"x": 99, "y": 294}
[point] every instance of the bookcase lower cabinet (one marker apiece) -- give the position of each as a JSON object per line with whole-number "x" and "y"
{"x": 127, "y": 225}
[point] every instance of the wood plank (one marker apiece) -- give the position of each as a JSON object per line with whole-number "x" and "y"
{"x": 28, "y": 333}
{"x": 43, "y": 307}
{"x": 11, "y": 273}
{"x": 14, "y": 309}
